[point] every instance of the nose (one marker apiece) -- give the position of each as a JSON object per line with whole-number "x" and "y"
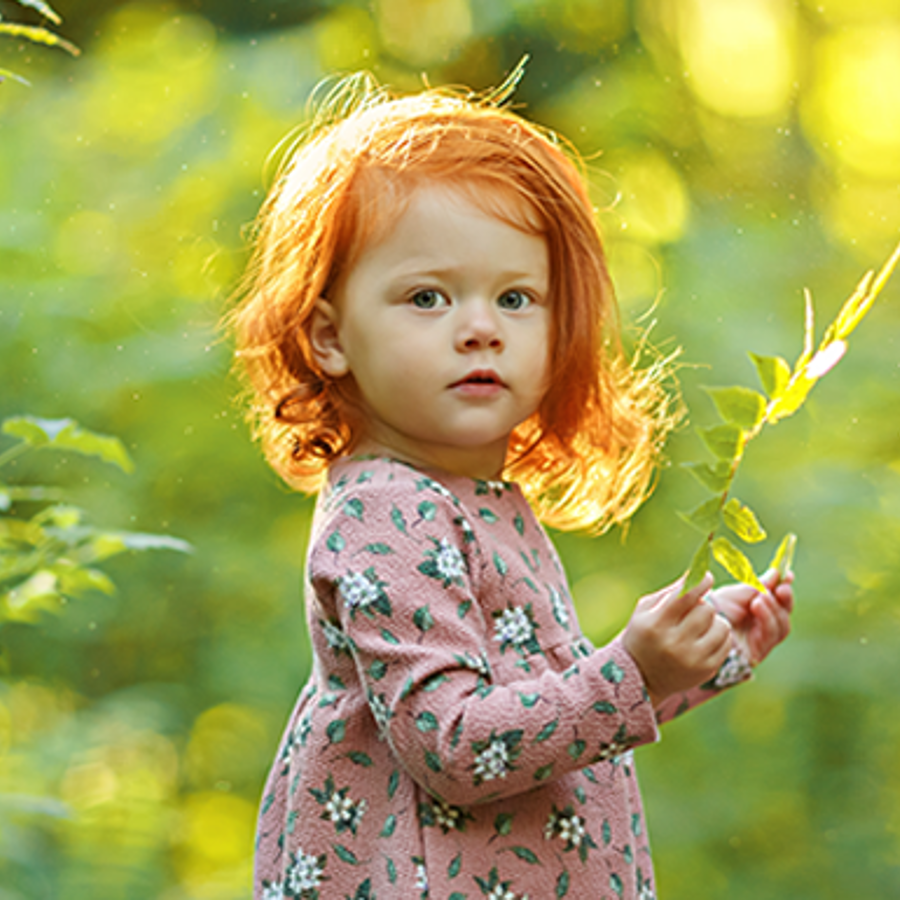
{"x": 479, "y": 328}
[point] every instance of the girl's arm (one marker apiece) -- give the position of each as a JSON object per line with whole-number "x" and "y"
{"x": 402, "y": 588}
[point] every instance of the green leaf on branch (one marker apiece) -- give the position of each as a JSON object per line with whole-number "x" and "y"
{"x": 735, "y": 563}
{"x": 784, "y": 555}
{"x": 699, "y": 566}
{"x": 705, "y": 517}
{"x": 67, "y": 434}
{"x": 774, "y": 373}
{"x": 723, "y": 441}
{"x": 716, "y": 477}
{"x": 45, "y": 9}
{"x": 38, "y": 35}
{"x": 741, "y": 520}
{"x": 739, "y": 405}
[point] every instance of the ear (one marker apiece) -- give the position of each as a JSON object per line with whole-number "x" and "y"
{"x": 325, "y": 341}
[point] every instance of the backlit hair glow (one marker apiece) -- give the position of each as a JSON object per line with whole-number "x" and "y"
{"x": 586, "y": 459}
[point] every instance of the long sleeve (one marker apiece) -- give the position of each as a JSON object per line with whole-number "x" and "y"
{"x": 467, "y": 686}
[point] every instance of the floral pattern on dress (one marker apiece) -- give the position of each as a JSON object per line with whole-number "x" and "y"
{"x": 453, "y": 704}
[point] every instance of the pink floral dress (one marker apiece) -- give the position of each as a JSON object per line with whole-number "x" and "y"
{"x": 458, "y": 736}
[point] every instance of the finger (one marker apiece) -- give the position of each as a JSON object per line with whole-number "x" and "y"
{"x": 681, "y": 602}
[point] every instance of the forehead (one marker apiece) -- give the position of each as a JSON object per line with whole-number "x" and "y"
{"x": 382, "y": 197}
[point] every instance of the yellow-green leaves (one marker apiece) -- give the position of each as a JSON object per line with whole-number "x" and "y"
{"x": 787, "y": 396}
{"x": 744, "y": 412}
{"x": 739, "y": 406}
{"x": 735, "y": 563}
{"x": 784, "y": 555}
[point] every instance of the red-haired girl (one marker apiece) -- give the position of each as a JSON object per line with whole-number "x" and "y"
{"x": 429, "y": 335}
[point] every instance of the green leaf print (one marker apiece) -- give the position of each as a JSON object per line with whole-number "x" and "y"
{"x": 499, "y": 564}
{"x": 576, "y": 748}
{"x": 377, "y": 669}
{"x": 393, "y": 784}
{"x": 364, "y": 891}
{"x": 519, "y": 524}
{"x": 636, "y": 828}
{"x": 488, "y": 515}
{"x": 389, "y": 637}
{"x": 546, "y": 732}
{"x": 604, "y": 706}
{"x": 422, "y": 619}
{"x": 526, "y": 855}
{"x": 580, "y": 794}
{"x": 613, "y": 672}
{"x": 433, "y": 761}
{"x": 435, "y": 682}
{"x": 354, "y": 508}
{"x": 562, "y": 884}
{"x": 463, "y": 608}
{"x": 606, "y": 832}
{"x": 390, "y": 825}
{"x": 628, "y": 855}
{"x": 360, "y": 759}
{"x": 345, "y": 855}
{"x": 398, "y": 520}
{"x": 426, "y": 721}
{"x": 503, "y": 824}
{"x": 544, "y": 772}
{"x": 528, "y": 700}
{"x": 456, "y": 895}
{"x": 616, "y": 884}
{"x": 391, "y": 870}
{"x": 427, "y": 510}
{"x": 379, "y": 549}
{"x": 335, "y": 542}
{"x": 455, "y": 866}
{"x": 336, "y": 731}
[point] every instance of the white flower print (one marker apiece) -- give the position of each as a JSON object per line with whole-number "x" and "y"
{"x": 273, "y": 891}
{"x": 421, "y": 878}
{"x": 502, "y": 893}
{"x": 493, "y": 762}
{"x": 560, "y": 613}
{"x": 380, "y": 710}
{"x": 513, "y": 627}
{"x": 303, "y": 874}
{"x": 358, "y": 590}
{"x": 344, "y": 812}
{"x": 569, "y": 828}
{"x": 646, "y": 892}
{"x": 448, "y": 817}
{"x": 735, "y": 669}
{"x": 449, "y": 561}
{"x": 336, "y": 637}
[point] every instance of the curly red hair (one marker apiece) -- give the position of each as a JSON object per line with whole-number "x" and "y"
{"x": 587, "y": 457}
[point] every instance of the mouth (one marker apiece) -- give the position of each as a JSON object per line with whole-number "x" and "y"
{"x": 480, "y": 378}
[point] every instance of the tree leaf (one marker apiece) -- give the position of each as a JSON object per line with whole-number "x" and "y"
{"x": 739, "y": 405}
{"x": 741, "y": 520}
{"x": 793, "y": 397}
{"x": 774, "y": 373}
{"x": 38, "y": 35}
{"x": 699, "y": 566}
{"x": 716, "y": 477}
{"x": 45, "y": 9}
{"x": 735, "y": 563}
{"x": 705, "y": 517}
{"x": 723, "y": 441}
{"x": 784, "y": 555}
{"x": 67, "y": 434}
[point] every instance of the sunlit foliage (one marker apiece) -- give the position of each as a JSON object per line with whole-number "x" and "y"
{"x": 738, "y": 152}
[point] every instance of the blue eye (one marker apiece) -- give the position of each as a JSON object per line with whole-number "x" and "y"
{"x": 513, "y": 300}
{"x": 428, "y": 299}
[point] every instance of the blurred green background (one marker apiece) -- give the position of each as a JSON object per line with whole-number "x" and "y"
{"x": 740, "y": 151}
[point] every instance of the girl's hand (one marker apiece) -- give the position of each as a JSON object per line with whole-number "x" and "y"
{"x": 760, "y": 621}
{"x": 676, "y": 639}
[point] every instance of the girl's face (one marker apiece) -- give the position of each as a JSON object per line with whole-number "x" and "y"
{"x": 444, "y": 324}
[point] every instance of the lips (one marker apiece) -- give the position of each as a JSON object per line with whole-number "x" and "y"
{"x": 483, "y": 378}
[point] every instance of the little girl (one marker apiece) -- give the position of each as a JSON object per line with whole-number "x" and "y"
{"x": 429, "y": 334}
